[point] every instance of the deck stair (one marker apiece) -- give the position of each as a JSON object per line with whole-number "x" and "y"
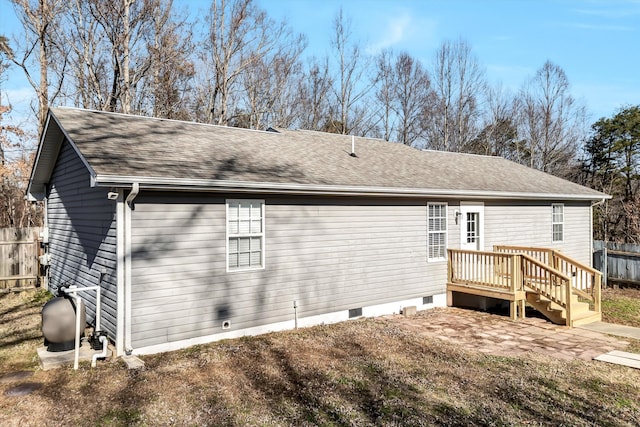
{"x": 581, "y": 313}
{"x": 560, "y": 288}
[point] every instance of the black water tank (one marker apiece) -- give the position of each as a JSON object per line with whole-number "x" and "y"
{"x": 59, "y": 323}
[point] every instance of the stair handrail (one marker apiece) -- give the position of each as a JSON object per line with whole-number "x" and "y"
{"x": 553, "y": 255}
{"x": 595, "y": 288}
{"x": 565, "y": 282}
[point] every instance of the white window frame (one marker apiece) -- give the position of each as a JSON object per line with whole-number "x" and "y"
{"x": 229, "y": 235}
{"x": 445, "y": 231}
{"x": 554, "y": 222}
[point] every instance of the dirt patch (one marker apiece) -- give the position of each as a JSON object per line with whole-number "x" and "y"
{"x": 12, "y": 377}
{"x": 384, "y": 371}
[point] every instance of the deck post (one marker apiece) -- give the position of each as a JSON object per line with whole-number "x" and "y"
{"x": 597, "y": 292}
{"x": 569, "y": 292}
{"x": 512, "y": 275}
{"x": 515, "y": 307}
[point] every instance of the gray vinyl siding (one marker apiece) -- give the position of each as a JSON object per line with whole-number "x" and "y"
{"x": 82, "y": 235}
{"x": 529, "y": 224}
{"x": 326, "y": 254}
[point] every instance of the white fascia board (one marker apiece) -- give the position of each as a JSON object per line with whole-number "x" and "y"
{"x": 39, "y": 195}
{"x": 154, "y": 183}
{"x": 37, "y": 160}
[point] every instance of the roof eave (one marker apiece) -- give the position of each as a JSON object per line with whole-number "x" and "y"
{"x": 36, "y": 188}
{"x": 155, "y": 183}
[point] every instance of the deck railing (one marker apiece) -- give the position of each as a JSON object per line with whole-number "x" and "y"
{"x": 586, "y": 281}
{"x": 489, "y": 269}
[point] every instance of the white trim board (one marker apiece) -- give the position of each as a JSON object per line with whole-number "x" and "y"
{"x": 439, "y": 300}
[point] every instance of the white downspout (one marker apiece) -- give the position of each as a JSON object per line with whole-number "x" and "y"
{"x": 604, "y": 250}
{"x": 120, "y": 256}
{"x": 135, "y": 189}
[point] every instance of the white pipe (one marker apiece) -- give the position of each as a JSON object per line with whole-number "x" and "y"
{"x": 295, "y": 314}
{"x": 73, "y": 292}
{"x": 76, "y": 357}
{"x": 102, "y": 355}
{"x": 98, "y": 305}
{"x": 353, "y": 145}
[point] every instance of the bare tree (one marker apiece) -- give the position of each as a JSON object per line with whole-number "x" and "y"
{"x": 499, "y": 134}
{"x": 15, "y": 162}
{"x": 313, "y": 90}
{"x": 412, "y": 93}
{"x": 266, "y": 94}
{"x": 458, "y": 82}
{"x": 551, "y": 122}
{"x": 169, "y": 47}
{"x": 239, "y": 36}
{"x": 87, "y": 83}
{"x": 124, "y": 24}
{"x": 385, "y": 94}
{"x": 140, "y": 66}
{"x": 351, "y": 84}
{"x": 39, "y": 18}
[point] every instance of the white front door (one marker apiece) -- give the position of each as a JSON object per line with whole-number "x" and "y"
{"x": 471, "y": 221}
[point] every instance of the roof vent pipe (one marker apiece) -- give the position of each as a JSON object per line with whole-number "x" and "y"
{"x": 353, "y": 146}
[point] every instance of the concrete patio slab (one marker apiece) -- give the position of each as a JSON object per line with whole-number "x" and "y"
{"x": 52, "y": 360}
{"x": 612, "y": 329}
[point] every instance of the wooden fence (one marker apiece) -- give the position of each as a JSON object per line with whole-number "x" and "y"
{"x": 618, "y": 262}
{"x": 19, "y": 262}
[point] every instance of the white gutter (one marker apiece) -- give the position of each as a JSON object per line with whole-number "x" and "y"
{"x": 154, "y": 183}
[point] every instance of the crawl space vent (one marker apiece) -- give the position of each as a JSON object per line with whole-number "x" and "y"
{"x": 355, "y": 312}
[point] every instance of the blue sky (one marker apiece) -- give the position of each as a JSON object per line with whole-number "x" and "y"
{"x": 596, "y": 42}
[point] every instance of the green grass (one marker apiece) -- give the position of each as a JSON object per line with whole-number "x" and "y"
{"x": 621, "y": 307}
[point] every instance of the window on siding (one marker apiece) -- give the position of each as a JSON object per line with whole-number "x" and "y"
{"x": 245, "y": 231}
{"x": 557, "y": 219}
{"x": 437, "y": 231}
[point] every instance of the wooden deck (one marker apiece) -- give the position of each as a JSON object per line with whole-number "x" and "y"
{"x": 561, "y": 288}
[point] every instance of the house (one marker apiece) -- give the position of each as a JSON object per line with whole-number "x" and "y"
{"x": 199, "y": 232}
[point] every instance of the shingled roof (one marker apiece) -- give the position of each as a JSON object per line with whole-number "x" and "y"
{"x": 119, "y": 150}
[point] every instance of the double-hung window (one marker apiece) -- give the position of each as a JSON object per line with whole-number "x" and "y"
{"x": 557, "y": 221}
{"x": 245, "y": 234}
{"x": 437, "y": 231}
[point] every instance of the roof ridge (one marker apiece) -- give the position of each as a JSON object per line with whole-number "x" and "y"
{"x": 341, "y": 135}
{"x": 137, "y": 116}
{"x": 429, "y": 150}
